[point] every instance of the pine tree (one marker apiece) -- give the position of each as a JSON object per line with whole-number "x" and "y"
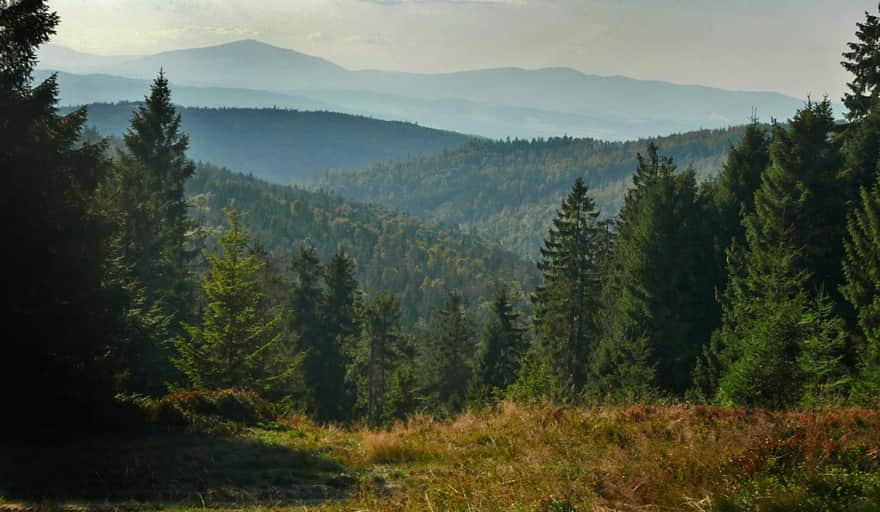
{"x": 152, "y": 239}
{"x": 863, "y": 61}
{"x": 307, "y": 326}
{"x": 568, "y": 300}
{"x": 238, "y": 337}
{"x": 339, "y": 315}
{"x": 502, "y": 350}
{"x": 448, "y": 362}
{"x": 61, "y": 329}
{"x": 660, "y": 288}
{"x": 862, "y": 287}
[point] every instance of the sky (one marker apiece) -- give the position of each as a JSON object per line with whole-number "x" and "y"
{"x": 789, "y": 46}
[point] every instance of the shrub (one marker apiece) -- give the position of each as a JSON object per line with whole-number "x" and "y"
{"x": 187, "y": 408}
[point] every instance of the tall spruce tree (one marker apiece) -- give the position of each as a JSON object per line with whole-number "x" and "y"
{"x": 862, "y": 59}
{"x": 449, "y": 357}
{"x": 732, "y": 199}
{"x": 769, "y": 296}
{"x": 381, "y": 347}
{"x": 240, "y": 340}
{"x": 738, "y": 181}
{"x": 60, "y": 348}
{"x": 502, "y": 349}
{"x": 862, "y": 287}
{"x": 152, "y": 240}
{"x": 660, "y": 288}
{"x": 307, "y": 326}
{"x": 339, "y": 315}
{"x": 567, "y": 303}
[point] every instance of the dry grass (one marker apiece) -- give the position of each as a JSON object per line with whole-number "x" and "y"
{"x": 520, "y": 457}
{"x": 544, "y": 458}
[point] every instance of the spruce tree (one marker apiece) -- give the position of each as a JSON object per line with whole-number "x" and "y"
{"x": 738, "y": 181}
{"x": 823, "y": 355}
{"x": 403, "y": 396}
{"x": 503, "y": 347}
{"x": 307, "y": 326}
{"x": 60, "y": 345}
{"x": 862, "y": 59}
{"x": 239, "y": 338}
{"x": 381, "y": 344}
{"x": 862, "y": 287}
{"x": 769, "y": 297}
{"x": 567, "y": 302}
{"x": 152, "y": 243}
{"x": 448, "y": 361}
{"x": 339, "y": 315}
{"x": 660, "y": 287}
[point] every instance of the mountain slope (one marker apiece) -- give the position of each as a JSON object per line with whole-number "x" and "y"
{"x": 245, "y": 64}
{"x": 509, "y": 191}
{"x": 491, "y": 102}
{"x": 83, "y": 89}
{"x": 419, "y": 261}
{"x": 285, "y": 145}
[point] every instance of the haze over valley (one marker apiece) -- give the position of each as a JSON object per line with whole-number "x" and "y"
{"x": 496, "y": 103}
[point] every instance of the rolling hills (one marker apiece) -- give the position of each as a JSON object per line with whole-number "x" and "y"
{"x": 508, "y": 191}
{"x": 287, "y": 146}
{"x": 419, "y": 261}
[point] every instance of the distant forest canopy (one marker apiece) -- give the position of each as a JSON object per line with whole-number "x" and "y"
{"x": 418, "y": 261}
{"x": 508, "y": 191}
{"x": 287, "y": 146}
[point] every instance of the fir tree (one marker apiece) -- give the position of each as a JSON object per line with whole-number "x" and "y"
{"x": 862, "y": 287}
{"x": 380, "y": 350}
{"x": 152, "y": 239}
{"x": 339, "y": 314}
{"x": 402, "y": 398}
{"x": 823, "y": 354}
{"x": 60, "y": 346}
{"x": 307, "y": 326}
{"x": 448, "y": 361}
{"x": 769, "y": 294}
{"x": 238, "y": 336}
{"x": 660, "y": 286}
{"x": 862, "y": 59}
{"x": 568, "y": 300}
{"x": 738, "y": 181}
{"x": 502, "y": 350}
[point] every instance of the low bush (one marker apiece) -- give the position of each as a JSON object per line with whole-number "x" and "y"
{"x": 208, "y": 407}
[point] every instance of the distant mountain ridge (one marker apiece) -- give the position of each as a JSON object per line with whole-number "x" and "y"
{"x": 496, "y": 102}
{"x": 288, "y": 146}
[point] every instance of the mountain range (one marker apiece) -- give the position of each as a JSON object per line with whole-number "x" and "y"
{"x": 496, "y": 103}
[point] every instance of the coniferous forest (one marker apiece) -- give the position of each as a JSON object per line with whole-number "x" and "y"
{"x": 701, "y": 334}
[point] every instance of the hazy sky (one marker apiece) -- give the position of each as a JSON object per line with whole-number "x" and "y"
{"x": 791, "y": 46}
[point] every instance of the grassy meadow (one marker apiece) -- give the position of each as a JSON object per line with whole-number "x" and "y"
{"x": 513, "y": 457}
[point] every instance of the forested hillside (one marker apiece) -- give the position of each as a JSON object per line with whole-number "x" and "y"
{"x": 286, "y": 146}
{"x": 419, "y": 261}
{"x": 509, "y": 190}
